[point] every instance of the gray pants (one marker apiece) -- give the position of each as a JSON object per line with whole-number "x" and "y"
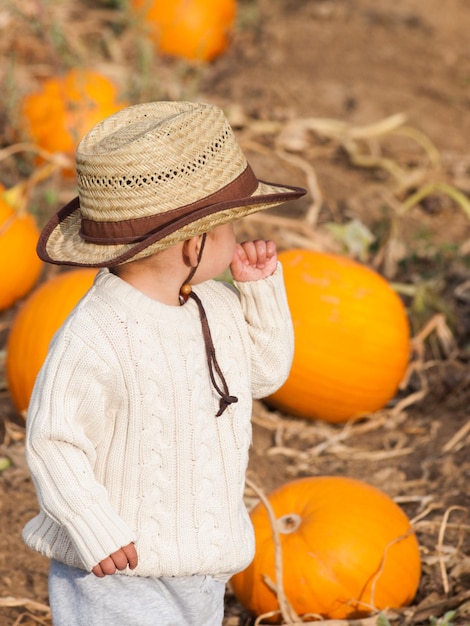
{"x": 78, "y": 598}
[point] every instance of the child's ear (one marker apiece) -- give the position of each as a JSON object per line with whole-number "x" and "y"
{"x": 191, "y": 248}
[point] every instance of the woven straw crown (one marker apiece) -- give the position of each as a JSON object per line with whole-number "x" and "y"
{"x": 150, "y": 176}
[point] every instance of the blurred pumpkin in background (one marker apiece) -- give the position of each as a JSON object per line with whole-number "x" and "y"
{"x": 352, "y": 338}
{"x": 36, "y": 322}
{"x": 191, "y": 29}
{"x": 20, "y": 267}
{"x": 65, "y": 108}
{"x": 347, "y": 550}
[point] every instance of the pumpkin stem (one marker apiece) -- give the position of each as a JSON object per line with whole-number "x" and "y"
{"x": 17, "y": 197}
{"x": 7, "y": 223}
{"x": 288, "y": 523}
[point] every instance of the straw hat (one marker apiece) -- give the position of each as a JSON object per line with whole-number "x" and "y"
{"x": 150, "y": 176}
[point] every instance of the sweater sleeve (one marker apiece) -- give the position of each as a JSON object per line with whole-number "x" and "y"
{"x": 71, "y": 400}
{"x": 266, "y": 311}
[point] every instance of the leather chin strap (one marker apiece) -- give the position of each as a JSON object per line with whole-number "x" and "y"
{"x": 186, "y": 292}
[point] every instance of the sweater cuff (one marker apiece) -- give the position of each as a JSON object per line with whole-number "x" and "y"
{"x": 98, "y": 533}
{"x": 264, "y": 301}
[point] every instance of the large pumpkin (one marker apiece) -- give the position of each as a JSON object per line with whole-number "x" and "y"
{"x": 352, "y": 338}
{"x": 347, "y": 549}
{"x": 66, "y": 107}
{"x": 34, "y": 326}
{"x": 20, "y": 266}
{"x": 191, "y": 29}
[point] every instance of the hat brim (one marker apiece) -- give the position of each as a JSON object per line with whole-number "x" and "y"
{"x": 61, "y": 243}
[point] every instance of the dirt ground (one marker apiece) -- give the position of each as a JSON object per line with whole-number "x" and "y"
{"x": 366, "y": 103}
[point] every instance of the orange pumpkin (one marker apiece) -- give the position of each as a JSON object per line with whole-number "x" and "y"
{"x": 352, "y": 338}
{"x": 347, "y": 549}
{"x": 34, "y": 326}
{"x": 191, "y": 29}
{"x": 65, "y": 108}
{"x": 20, "y": 266}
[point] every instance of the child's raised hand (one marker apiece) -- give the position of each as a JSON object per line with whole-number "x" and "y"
{"x": 254, "y": 260}
{"x": 117, "y": 560}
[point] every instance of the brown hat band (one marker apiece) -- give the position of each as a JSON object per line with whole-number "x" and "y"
{"x": 134, "y": 230}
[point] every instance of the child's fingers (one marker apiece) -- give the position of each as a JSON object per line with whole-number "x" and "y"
{"x": 260, "y": 249}
{"x": 117, "y": 560}
{"x": 240, "y": 254}
{"x": 131, "y": 555}
{"x": 271, "y": 249}
{"x": 254, "y": 260}
{"x": 105, "y": 567}
{"x": 248, "y": 254}
{"x": 258, "y": 252}
{"x": 97, "y": 571}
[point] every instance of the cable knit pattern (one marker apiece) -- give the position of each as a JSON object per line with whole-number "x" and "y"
{"x": 122, "y": 439}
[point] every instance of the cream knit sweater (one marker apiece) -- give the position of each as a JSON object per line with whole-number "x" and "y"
{"x": 122, "y": 440}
